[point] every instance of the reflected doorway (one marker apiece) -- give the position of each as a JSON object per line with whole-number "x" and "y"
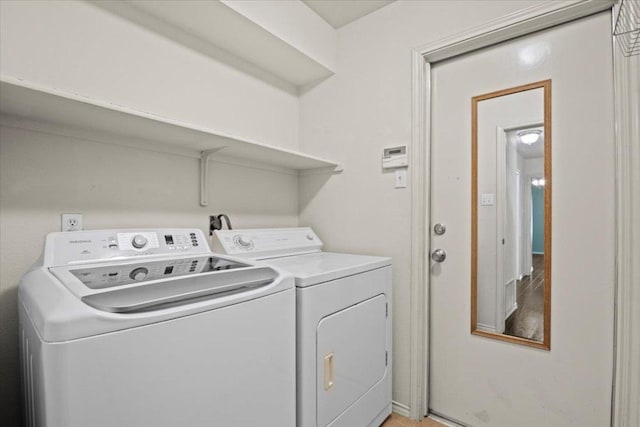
{"x": 527, "y": 320}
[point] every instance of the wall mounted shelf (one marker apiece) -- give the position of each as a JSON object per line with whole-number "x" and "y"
{"x": 24, "y": 101}
{"x": 242, "y": 29}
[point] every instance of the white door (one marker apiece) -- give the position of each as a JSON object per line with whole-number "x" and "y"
{"x": 480, "y": 381}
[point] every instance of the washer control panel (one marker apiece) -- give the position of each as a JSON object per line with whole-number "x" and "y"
{"x": 136, "y": 241}
{"x": 263, "y": 243}
{"x": 109, "y": 276}
{"x": 94, "y": 245}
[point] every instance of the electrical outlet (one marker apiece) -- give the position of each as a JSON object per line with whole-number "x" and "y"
{"x": 71, "y": 222}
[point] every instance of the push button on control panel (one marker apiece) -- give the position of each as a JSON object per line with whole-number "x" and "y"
{"x": 139, "y": 241}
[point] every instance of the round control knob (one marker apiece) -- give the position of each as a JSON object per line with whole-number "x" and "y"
{"x": 309, "y": 237}
{"x": 139, "y": 273}
{"x": 139, "y": 241}
{"x": 243, "y": 241}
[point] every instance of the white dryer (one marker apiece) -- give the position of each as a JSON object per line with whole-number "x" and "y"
{"x": 148, "y": 328}
{"x": 343, "y": 304}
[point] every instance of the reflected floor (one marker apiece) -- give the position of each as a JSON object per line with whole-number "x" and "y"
{"x": 528, "y": 320}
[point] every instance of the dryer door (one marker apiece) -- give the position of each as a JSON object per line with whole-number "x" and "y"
{"x": 352, "y": 356}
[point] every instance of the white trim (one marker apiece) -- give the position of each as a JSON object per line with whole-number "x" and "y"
{"x": 444, "y": 421}
{"x": 400, "y": 409}
{"x": 501, "y": 225}
{"x": 420, "y": 219}
{"x": 626, "y": 393}
{"x": 485, "y": 328}
{"x": 512, "y": 310}
{"x": 536, "y": 18}
{"x": 526, "y": 21}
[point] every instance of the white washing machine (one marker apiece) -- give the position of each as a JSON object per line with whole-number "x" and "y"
{"x": 344, "y": 341}
{"x": 148, "y": 328}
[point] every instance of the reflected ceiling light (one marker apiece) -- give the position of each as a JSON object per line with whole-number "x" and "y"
{"x": 533, "y": 55}
{"x": 529, "y": 137}
{"x": 538, "y": 182}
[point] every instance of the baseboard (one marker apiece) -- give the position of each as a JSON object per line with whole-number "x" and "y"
{"x": 485, "y": 328}
{"x": 443, "y": 421}
{"x": 400, "y": 409}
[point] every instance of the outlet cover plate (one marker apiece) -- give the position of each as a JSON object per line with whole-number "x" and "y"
{"x": 71, "y": 222}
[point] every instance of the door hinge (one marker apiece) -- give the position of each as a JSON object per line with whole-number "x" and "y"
{"x": 503, "y": 241}
{"x": 386, "y": 358}
{"x": 386, "y": 309}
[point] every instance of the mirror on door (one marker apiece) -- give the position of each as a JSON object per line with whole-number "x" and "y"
{"x": 511, "y": 215}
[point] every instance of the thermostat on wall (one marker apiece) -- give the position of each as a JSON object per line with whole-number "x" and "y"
{"x": 395, "y": 157}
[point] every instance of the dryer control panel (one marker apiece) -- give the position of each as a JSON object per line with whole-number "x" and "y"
{"x": 264, "y": 243}
{"x": 95, "y": 245}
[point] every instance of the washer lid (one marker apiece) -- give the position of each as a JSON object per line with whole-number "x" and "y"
{"x": 154, "y": 284}
{"x": 320, "y": 267}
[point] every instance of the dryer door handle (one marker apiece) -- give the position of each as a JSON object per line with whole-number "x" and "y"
{"x": 328, "y": 371}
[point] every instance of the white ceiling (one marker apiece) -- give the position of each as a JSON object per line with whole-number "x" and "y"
{"x": 341, "y": 12}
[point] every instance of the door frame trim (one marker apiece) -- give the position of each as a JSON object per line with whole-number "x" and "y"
{"x": 626, "y": 395}
{"x": 539, "y": 17}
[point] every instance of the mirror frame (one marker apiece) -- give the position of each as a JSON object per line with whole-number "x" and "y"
{"x": 546, "y": 343}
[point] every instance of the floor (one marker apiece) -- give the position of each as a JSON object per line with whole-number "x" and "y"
{"x": 527, "y": 320}
{"x": 396, "y": 420}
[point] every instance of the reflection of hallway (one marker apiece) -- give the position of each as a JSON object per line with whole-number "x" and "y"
{"x": 527, "y": 320}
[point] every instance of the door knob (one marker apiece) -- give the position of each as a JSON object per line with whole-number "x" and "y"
{"x": 439, "y": 255}
{"x": 439, "y": 229}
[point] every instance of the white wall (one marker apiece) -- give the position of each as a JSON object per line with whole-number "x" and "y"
{"x": 534, "y": 167}
{"x": 352, "y": 116}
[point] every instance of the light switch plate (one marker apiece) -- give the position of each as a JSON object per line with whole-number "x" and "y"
{"x": 487, "y": 199}
{"x": 400, "y": 178}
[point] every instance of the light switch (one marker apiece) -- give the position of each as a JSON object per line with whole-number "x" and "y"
{"x": 401, "y": 177}
{"x": 487, "y": 199}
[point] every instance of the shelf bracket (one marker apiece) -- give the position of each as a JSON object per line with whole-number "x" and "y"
{"x": 204, "y": 169}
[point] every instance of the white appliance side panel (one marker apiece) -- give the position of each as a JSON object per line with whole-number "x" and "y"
{"x": 315, "y": 303}
{"x": 351, "y": 358}
{"x": 233, "y": 366}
